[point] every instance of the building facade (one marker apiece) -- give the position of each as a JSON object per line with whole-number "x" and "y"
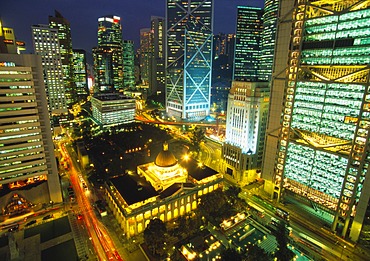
{"x": 66, "y": 54}
{"x": 110, "y": 109}
{"x": 108, "y": 61}
{"x": 248, "y": 41}
{"x": 27, "y": 151}
{"x": 322, "y": 130}
{"x": 270, "y": 18}
{"x": 80, "y": 74}
{"x": 46, "y": 44}
{"x": 157, "y": 77}
{"x": 128, "y": 64}
{"x": 164, "y": 189}
{"x": 146, "y": 53}
{"x": 247, "y": 113}
{"x": 189, "y": 36}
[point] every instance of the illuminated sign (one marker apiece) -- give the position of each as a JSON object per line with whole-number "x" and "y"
{"x": 20, "y": 43}
{"x": 7, "y": 41}
{"x": 7, "y": 64}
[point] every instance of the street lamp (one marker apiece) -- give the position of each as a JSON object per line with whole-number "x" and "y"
{"x": 342, "y": 251}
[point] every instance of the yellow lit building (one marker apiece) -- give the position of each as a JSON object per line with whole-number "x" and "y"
{"x": 164, "y": 189}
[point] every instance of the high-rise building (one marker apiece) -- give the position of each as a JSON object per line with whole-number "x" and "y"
{"x": 189, "y": 38}
{"x": 66, "y": 54}
{"x": 46, "y": 44}
{"x": 8, "y": 41}
{"x": 247, "y": 113}
{"x": 128, "y": 64}
{"x": 108, "y": 64}
{"x": 157, "y": 73}
{"x": 270, "y": 17}
{"x": 145, "y": 55}
{"x": 27, "y": 151}
{"x": 80, "y": 73}
{"x": 248, "y": 37}
{"x": 318, "y": 132}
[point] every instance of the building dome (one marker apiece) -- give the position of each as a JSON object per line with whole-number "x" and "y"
{"x": 165, "y": 158}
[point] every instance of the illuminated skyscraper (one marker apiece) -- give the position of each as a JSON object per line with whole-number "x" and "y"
{"x": 270, "y": 16}
{"x": 247, "y": 111}
{"x": 320, "y": 111}
{"x": 189, "y": 57}
{"x": 128, "y": 64}
{"x": 8, "y": 41}
{"x": 27, "y": 151}
{"x": 46, "y": 44}
{"x": 66, "y": 54}
{"x": 108, "y": 64}
{"x": 157, "y": 76}
{"x": 145, "y": 55}
{"x": 248, "y": 44}
{"x": 80, "y": 73}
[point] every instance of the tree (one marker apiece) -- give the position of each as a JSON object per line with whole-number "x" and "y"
{"x": 155, "y": 236}
{"x": 283, "y": 253}
{"x": 196, "y": 138}
{"x": 233, "y": 193}
{"x": 230, "y": 254}
{"x": 255, "y": 253}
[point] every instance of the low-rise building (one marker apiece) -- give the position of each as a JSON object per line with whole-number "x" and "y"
{"x": 164, "y": 189}
{"x": 111, "y": 109}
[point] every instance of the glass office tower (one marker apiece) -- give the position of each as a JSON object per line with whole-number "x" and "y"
{"x": 270, "y": 18}
{"x": 323, "y": 143}
{"x": 128, "y": 64}
{"x": 108, "y": 64}
{"x": 248, "y": 44}
{"x": 66, "y": 54}
{"x": 189, "y": 58}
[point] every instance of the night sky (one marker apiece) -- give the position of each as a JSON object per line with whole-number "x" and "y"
{"x": 83, "y": 15}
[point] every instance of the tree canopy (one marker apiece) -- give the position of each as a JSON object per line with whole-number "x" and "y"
{"x": 155, "y": 236}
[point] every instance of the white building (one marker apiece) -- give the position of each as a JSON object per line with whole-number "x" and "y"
{"x": 27, "y": 151}
{"x": 111, "y": 109}
{"x": 247, "y": 112}
{"x": 46, "y": 44}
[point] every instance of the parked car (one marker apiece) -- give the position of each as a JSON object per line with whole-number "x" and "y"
{"x": 13, "y": 228}
{"x": 31, "y": 223}
{"x": 47, "y": 217}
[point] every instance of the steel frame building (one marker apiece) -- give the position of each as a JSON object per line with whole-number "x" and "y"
{"x": 323, "y": 142}
{"x": 189, "y": 58}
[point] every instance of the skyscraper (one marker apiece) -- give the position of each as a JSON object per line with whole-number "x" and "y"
{"x": 46, "y": 44}
{"x": 145, "y": 55}
{"x": 128, "y": 64}
{"x": 157, "y": 73}
{"x": 27, "y": 151}
{"x": 249, "y": 28}
{"x": 80, "y": 74}
{"x": 66, "y": 54}
{"x": 270, "y": 17}
{"x": 189, "y": 58}
{"x": 8, "y": 41}
{"x": 247, "y": 111}
{"x": 322, "y": 136}
{"x": 108, "y": 64}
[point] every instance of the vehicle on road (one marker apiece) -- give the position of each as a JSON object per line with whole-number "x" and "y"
{"x": 31, "y": 223}
{"x": 47, "y": 217}
{"x": 13, "y": 228}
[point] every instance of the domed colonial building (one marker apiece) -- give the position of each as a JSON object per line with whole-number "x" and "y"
{"x": 164, "y": 189}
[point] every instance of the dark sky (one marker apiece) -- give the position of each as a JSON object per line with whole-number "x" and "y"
{"x": 83, "y": 15}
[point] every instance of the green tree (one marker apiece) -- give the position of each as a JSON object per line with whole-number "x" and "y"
{"x": 196, "y": 138}
{"x": 230, "y": 254}
{"x": 283, "y": 253}
{"x": 255, "y": 253}
{"x": 155, "y": 236}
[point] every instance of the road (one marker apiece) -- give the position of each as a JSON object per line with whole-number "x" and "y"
{"x": 104, "y": 247}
